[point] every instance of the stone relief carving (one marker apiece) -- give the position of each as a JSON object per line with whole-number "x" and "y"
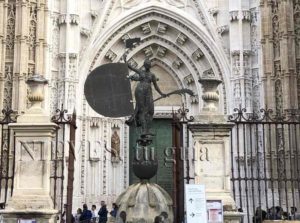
{"x": 248, "y": 93}
{"x": 105, "y": 158}
{"x": 177, "y": 63}
{"x": 94, "y": 122}
{"x": 254, "y": 43}
{"x": 74, "y": 19}
{"x": 85, "y": 32}
{"x": 94, "y": 14}
{"x": 72, "y": 67}
{"x": 277, "y": 69}
{"x": 198, "y": 54}
{"x": 237, "y": 94}
{"x": 71, "y": 82}
{"x": 8, "y": 83}
{"x": 148, "y": 51}
{"x": 32, "y": 31}
{"x": 9, "y": 45}
{"x": 222, "y": 29}
{"x": 276, "y": 33}
{"x": 209, "y": 73}
{"x": 278, "y": 97}
{"x": 297, "y": 43}
{"x": 236, "y": 63}
{"x": 161, "y": 51}
{"x": 61, "y": 83}
{"x": 195, "y": 99}
{"x": 181, "y": 38}
{"x": 246, "y": 64}
{"x": 10, "y": 30}
{"x": 256, "y": 99}
{"x": 62, "y": 19}
{"x": 234, "y": 15}
{"x": 189, "y": 79}
{"x": 71, "y": 97}
{"x": 110, "y": 55}
{"x": 213, "y": 11}
{"x": 54, "y": 94}
{"x": 146, "y": 28}
{"x": 162, "y": 28}
{"x": 246, "y": 15}
{"x": 133, "y": 3}
{"x": 298, "y": 80}
{"x": 256, "y": 90}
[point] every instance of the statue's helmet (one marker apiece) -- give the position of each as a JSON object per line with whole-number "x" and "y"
{"x": 147, "y": 63}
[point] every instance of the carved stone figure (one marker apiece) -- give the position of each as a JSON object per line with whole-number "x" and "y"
{"x": 115, "y": 145}
{"x": 144, "y": 109}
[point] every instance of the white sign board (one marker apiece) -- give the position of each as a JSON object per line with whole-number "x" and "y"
{"x": 195, "y": 203}
{"x": 26, "y": 221}
{"x": 215, "y": 211}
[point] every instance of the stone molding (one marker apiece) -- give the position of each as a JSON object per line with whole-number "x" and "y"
{"x": 73, "y": 19}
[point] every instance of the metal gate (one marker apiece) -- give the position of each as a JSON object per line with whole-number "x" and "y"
{"x": 62, "y": 155}
{"x": 265, "y": 157}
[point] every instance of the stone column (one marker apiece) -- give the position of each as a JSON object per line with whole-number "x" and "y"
{"x": 211, "y": 134}
{"x": 33, "y": 136}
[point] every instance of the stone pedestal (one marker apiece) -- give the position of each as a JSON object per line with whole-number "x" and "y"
{"x": 31, "y": 198}
{"x": 211, "y": 134}
{"x": 212, "y": 156}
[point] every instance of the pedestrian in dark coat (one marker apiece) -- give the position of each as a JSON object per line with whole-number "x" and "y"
{"x": 86, "y": 215}
{"x": 103, "y": 213}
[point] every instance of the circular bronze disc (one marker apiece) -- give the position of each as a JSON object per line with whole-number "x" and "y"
{"x": 108, "y": 91}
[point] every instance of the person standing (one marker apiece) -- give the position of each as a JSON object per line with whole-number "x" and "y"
{"x": 77, "y": 215}
{"x": 86, "y": 215}
{"x": 294, "y": 214}
{"x": 94, "y": 213}
{"x": 103, "y": 213}
{"x": 114, "y": 210}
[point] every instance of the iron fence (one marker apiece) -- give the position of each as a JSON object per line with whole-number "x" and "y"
{"x": 7, "y": 161}
{"x": 62, "y": 153}
{"x": 265, "y": 157}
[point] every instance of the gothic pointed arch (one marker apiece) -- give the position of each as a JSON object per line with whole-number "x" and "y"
{"x": 179, "y": 44}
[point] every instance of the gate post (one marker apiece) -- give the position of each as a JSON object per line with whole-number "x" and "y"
{"x": 211, "y": 136}
{"x": 33, "y": 135}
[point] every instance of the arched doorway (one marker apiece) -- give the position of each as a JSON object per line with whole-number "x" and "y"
{"x": 181, "y": 51}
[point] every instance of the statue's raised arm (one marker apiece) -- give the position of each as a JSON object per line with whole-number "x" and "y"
{"x": 134, "y": 77}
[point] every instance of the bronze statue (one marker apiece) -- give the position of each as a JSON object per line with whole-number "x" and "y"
{"x": 144, "y": 109}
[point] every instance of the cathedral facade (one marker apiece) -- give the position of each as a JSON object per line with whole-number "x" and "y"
{"x": 251, "y": 45}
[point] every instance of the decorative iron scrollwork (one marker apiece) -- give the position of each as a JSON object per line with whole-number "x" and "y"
{"x": 61, "y": 116}
{"x": 264, "y": 115}
{"x": 8, "y": 116}
{"x": 181, "y": 115}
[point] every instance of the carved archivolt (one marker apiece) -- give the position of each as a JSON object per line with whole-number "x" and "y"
{"x": 157, "y": 29}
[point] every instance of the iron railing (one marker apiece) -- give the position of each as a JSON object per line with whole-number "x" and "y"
{"x": 64, "y": 141}
{"x": 265, "y": 157}
{"x": 7, "y": 155}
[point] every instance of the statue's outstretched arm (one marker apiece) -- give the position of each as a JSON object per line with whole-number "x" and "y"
{"x": 133, "y": 69}
{"x": 156, "y": 86}
{"x": 136, "y": 76}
